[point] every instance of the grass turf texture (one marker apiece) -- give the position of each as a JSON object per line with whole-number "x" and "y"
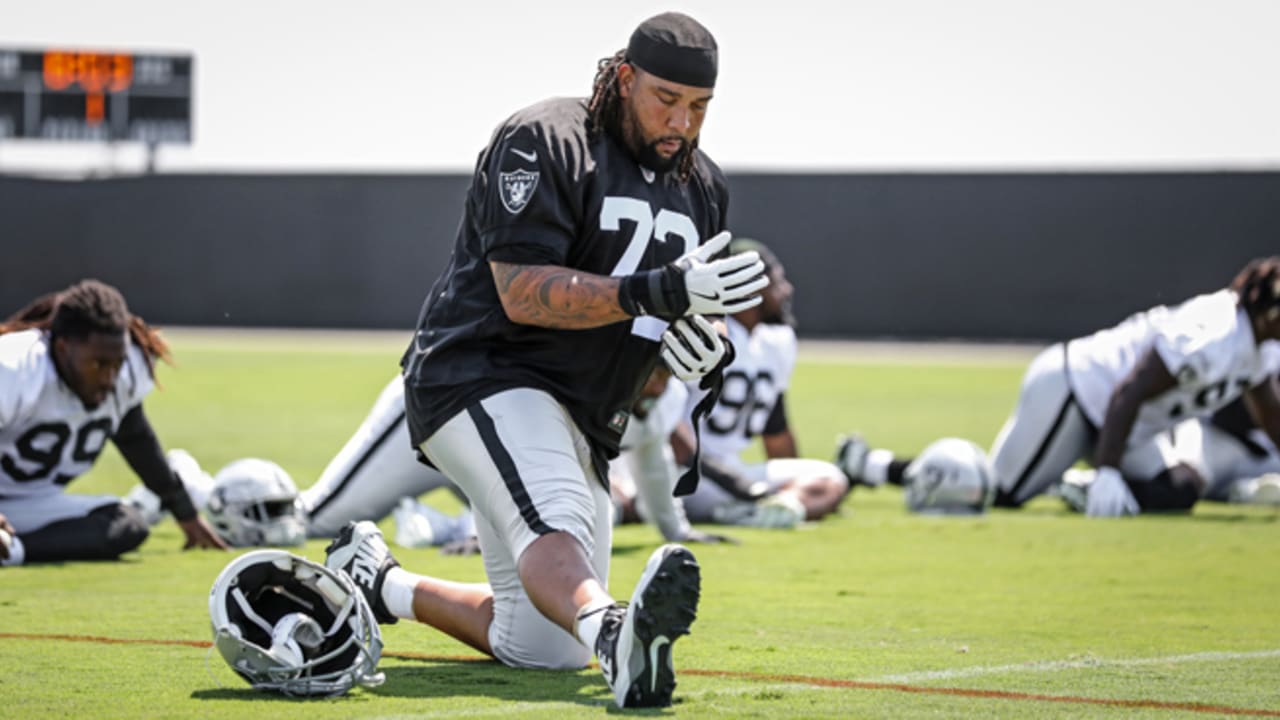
{"x": 874, "y": 613}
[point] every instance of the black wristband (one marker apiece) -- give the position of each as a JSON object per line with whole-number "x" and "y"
{"x": 660, "y": 293}
{"x": 178, "y": 502}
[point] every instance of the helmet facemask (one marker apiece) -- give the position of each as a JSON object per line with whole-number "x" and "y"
{"x": 289, "y": 625}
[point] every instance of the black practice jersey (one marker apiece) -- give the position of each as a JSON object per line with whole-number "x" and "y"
{"x": 547, "y": 192}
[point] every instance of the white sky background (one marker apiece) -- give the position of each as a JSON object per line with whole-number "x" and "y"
{"x": 400, "y": 86}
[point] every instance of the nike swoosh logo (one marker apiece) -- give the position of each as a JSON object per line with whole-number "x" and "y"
{"x": 658, "y": 642}
{"x": 713, "y": 296}
{"x": 529, "y": 156}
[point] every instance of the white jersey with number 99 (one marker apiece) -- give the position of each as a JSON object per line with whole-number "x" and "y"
{"x": 47, "y": 436}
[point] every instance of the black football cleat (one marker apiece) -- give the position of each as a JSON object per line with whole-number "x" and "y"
{"x": 634, "y": 645}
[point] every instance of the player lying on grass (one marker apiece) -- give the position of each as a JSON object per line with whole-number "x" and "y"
{"x": 74, "y": 369}
{"x": 1111, "y": 398}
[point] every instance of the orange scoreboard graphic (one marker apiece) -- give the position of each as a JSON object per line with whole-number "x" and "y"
{"x": 68, "y": 94}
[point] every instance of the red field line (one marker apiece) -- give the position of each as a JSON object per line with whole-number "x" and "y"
{"x": 987, "y": 694}
{"x": 759, "y": 677}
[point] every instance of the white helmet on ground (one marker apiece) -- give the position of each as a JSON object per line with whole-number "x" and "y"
{"x": 293, "y": 626}
{"x": 951, "y": 476}
{"x": 254, "y": 502}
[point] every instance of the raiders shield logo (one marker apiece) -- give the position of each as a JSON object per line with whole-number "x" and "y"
{"x": 516, "y": 188}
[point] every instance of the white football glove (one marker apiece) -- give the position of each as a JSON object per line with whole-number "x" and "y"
{"x": 694, "y": 284}
{"x": 691, "y": 347}
{"x": 1109, "y": 496}
{"x": 724, "y": 286}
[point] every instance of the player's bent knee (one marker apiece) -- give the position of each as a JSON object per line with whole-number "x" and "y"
{"x": 123, "y": 528}
{"x": 573, "y": 519}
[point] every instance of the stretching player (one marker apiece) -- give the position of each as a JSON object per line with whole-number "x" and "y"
{"x": 1112, "y": 397}
{"x": 74, "y": 369}
{"x": 588, "y": 226}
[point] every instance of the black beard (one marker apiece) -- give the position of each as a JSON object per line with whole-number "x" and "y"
{"x": 648, "y": 156}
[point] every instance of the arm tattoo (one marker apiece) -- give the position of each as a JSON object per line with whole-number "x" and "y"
{"x": 557, "y": 297}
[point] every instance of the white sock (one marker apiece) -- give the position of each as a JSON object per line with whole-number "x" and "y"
{"x": 587, "y": 623}
{"x": 17, "y": 552}
{"x": 877, "y": 469}
{"x": 397, "y": 592}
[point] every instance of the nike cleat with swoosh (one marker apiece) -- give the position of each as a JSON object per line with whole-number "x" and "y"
{"x": 634, "y": 645}
{"x": 360, "y": 553}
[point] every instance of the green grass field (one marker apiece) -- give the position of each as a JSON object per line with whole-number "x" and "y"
{"x": 874, "y": 613}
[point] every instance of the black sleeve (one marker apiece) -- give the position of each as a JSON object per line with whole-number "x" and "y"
{"x": 138, "y": 444}
{"x": 523, "y": 213}
{"x": 777, "y": 421}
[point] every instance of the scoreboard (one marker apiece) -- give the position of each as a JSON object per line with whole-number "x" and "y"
{"x": 95, "y": 96}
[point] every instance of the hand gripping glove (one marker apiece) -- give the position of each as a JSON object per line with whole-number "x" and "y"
{"x": 696, "y": 284}
{"x": 691, "y": 347}
{"x": 713, "y": 383}
{"x": 1109, "y": 496}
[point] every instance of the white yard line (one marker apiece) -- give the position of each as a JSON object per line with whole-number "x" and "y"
{"x": 1058, "y": 665}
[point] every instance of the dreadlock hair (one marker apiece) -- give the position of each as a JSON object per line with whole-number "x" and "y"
{"x": 87, "y": 307}
{"x": 604, "y": 109}
{"x": 1258, "y": 287}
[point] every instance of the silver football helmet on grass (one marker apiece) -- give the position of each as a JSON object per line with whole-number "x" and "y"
{"x": 290, "y": 625}
{"x": 253, "y": 503}
{"x": 951, "y": 477}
